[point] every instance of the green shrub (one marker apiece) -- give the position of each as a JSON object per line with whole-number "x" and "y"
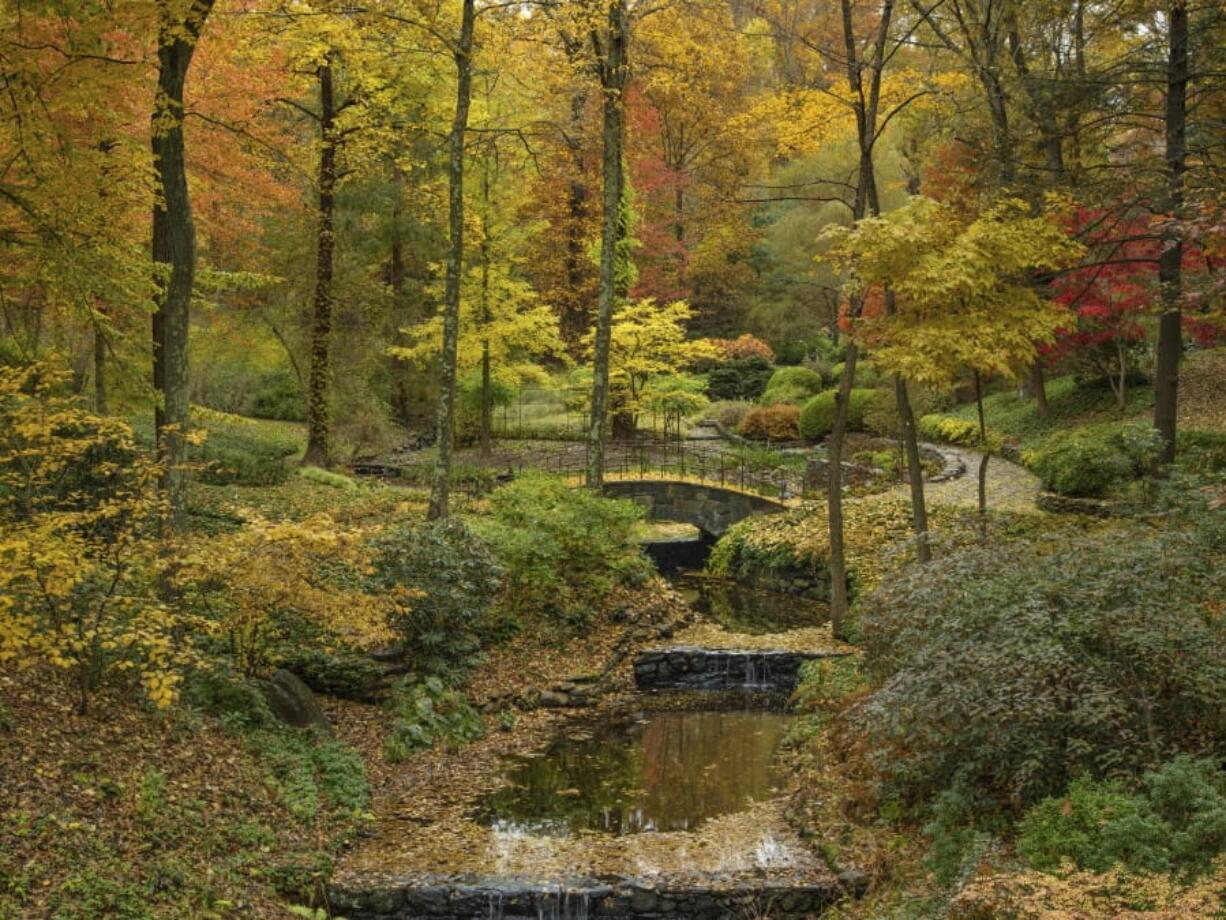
{"x": 1201, "y": 452}
{"x": 234, "y": 701}
{"x": 799, "y": 379}
{"x": 453, "y": 566}
{"x": 310, "y": 773}
{"x": 817, "y": 416}
{"x": 241, "y": 455}
{"x": 784, "y": 396}
{"x": 742, "y": 378}
{"x": 1090, "y": 461}
{"x": 947, "y": 429}
{"x": 1072, "y": 464}
{"x": 327, "y": 478}
{"x": 276, "y": 395}
{"x": 429, "y": 713}
{"x": 1096, "y": 825}
{"x": 562, "y": 548}
{"x": 771, "y": 423}
{"x": 1175, "y": 822}
{"x": 1007, "y": 670}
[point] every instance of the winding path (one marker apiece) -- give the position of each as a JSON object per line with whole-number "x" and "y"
{"x": 1011, "y": 487}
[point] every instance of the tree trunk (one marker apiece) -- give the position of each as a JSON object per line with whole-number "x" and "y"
{"x": 395, "y": 280}
{"x": 440, "y": 492}
{"x": 319, "y": 404}
{"x": 1170, "y": 263}
{"x": 915, "y": 470}
{"x": 613, "y": 81}
{"x": 1038, "y": 388}
{"x": 173, "y": 250}
{"x": 100, "y": 401}
{"x": 983, "y": 460}
{"x": 575, "y": 313}
{"x": 866, "y": 202}
{"x": 487, "y": 401}
{"x": 839, "y": 599}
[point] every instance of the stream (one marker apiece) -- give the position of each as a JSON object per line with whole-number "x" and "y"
{"x": 669, "y": 805}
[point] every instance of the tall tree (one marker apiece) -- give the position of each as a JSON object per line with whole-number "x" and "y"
{"x": 174, "y": 243}
{"x": 612, "y": 62}
{"x": 440, "y": 491}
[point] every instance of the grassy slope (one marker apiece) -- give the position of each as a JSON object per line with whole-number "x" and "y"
{"x": 1202, "y": 404}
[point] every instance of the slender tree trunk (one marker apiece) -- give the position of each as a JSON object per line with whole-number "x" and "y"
{"x": 1170, "y": 264}
{"x": 173, "y": 250}
{"x": 910, "y": 442}
{"x": 613, "y": 80}
{"x": 487, "y": 402}
{"x": 440, "y": 492}
{"x": 395, "y": 279}
{"x": 319, "y": 403}
{"x": 575, "y": 317}
{"x": 866, "y": 202}
{"x": 984, "y": 458}
{"x": 1038, "y": 388}
{"x": 100, "y": 401}
{"x": 915, "y": 470}
{"x": 840, "y": 602}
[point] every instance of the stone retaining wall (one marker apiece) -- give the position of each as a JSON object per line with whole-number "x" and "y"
{"x": 581, "y": 900}
{"x": 688, "y": 668}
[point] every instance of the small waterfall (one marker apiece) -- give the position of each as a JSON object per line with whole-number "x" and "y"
{"x": 576, "y": 905}
{"x": 494, "y": 905}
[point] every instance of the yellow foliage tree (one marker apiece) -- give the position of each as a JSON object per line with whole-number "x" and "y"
{"x": 79, "y": 556}
{"x": 247, "y": 581}
{"x": 648, "y": 342}
{"x": 962, "y": 292}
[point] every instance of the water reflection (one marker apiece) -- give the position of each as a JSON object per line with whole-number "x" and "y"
{"x": 752, "y": 611}
{"x": 670, "y": 773}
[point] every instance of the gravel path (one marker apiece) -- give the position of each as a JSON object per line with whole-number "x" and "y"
{"x": 1010, "y": 487}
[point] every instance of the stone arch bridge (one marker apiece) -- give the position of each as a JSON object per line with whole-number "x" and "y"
{"x": 710, "y": 507}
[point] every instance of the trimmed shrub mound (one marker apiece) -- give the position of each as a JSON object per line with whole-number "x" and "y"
{"x": 1088, "y": 462}
{"x": 771, "y": 423}
{"x": 798, "y": 379}
{"x": 817, "y": 416}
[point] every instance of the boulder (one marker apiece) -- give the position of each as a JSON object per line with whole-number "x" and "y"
{"x": 293, "y": 703}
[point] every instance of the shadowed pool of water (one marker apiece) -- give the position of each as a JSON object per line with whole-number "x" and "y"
{"x": 742, "y": 609}
{"x": 669, "y": 772}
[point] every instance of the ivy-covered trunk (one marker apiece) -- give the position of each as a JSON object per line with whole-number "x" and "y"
{"x": 319, "y": 406}
{"x": 440, "y": 491}
{"x": 613, "y": 76}
{"x": 173, "y": 249}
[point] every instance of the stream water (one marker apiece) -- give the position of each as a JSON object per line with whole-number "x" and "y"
{"x": 669, "y": 772}
{"x": 743, "y": 609}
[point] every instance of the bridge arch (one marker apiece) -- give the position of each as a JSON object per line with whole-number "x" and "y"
{"x": 710, "y": 508}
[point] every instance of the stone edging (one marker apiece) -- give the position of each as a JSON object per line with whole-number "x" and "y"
{"x": 953, "y": 462}
{"x": 463, "y": 899}
{"x": 1091, "y": 507}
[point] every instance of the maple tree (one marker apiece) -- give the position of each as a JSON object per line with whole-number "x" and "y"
{"x": 959, "y": 291}
{"x": 647, "y": 341}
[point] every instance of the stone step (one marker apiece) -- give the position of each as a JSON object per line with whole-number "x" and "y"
{"x": 692, "y": 668}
